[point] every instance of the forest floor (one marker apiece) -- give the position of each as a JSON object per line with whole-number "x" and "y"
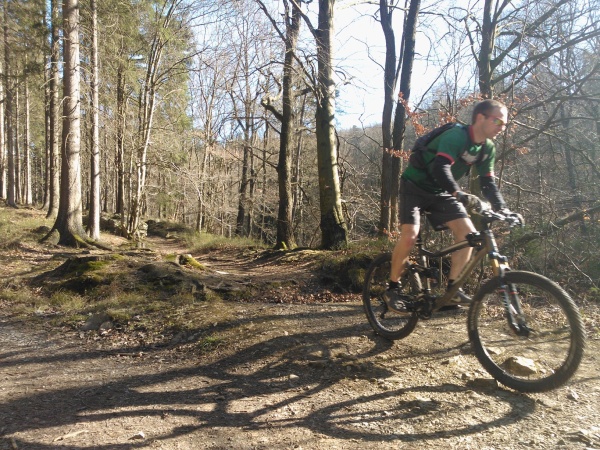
{"x": 283, "y": 361}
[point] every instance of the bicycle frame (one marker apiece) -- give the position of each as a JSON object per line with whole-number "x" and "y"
{"x": 485, "y": 244}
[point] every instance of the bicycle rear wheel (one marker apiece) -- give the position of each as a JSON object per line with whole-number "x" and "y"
{"x": 544, "y": 357}
{"x": 387, "y": 323}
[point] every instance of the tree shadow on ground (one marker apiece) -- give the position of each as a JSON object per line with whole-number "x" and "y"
{"x": 282, "y": 382}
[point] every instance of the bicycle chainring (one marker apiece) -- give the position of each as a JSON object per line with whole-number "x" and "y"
{"x": 423, "y": 306}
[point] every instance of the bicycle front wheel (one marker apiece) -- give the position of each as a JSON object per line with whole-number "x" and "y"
{"x": 387, "y": 323}
{"x": 547, "y": 352}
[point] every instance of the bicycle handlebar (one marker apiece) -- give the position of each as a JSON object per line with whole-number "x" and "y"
{"x": 485, "y": 210}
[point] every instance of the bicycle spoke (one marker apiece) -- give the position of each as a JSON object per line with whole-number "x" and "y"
{"x": 544, "y": 357}
{"x": 385, "y": 322}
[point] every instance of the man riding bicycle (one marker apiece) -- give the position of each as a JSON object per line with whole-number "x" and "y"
{"x": 431, "y": 187}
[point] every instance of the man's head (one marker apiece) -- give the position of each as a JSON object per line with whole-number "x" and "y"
{"x": 489, "y": 118}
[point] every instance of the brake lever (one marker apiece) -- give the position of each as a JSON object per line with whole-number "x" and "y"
{"x": 514, "y": 221}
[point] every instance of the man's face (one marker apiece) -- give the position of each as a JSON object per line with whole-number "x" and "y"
{"x": 494, "y": 122}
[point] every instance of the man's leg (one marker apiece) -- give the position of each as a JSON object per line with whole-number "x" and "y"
{"x": 393, "y": 298}
{"x": 402, "y": 249}
{"x": 460, "y": 228}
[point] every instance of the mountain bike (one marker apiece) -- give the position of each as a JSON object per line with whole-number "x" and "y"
{"x": 525, "y": 330}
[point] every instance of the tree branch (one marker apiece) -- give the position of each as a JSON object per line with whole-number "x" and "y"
{"x": 553, "y": 227}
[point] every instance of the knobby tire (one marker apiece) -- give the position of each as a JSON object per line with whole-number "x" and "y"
{"x": 387, "y": 323}
{"x": 549, "y": 356}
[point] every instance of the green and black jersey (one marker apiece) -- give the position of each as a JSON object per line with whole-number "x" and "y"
{"x": 457, "y": 146}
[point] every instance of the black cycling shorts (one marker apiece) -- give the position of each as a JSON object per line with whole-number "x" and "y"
{"x": 439, "y": 208}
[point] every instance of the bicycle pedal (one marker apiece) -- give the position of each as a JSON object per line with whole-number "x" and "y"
{"x": 452, "y": 308}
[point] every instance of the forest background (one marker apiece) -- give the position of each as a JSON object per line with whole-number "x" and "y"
{"x": 221, "y": 115}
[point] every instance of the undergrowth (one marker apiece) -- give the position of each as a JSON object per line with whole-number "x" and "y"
{"x": 204, "y": 242}
{"x": 114, "y": 286}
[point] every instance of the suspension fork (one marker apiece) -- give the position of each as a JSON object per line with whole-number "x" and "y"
{"x": 512, "y": 307}
{"x": 508, "y": 291}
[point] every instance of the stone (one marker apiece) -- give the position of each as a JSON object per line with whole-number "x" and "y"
{"x": 520, "y": 366}
{"x": 95, "y": 321}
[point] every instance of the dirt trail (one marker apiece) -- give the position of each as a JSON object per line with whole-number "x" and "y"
{"x": 300, "y": 376}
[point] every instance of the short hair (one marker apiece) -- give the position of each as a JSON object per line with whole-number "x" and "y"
{"x": 485, "y": 107}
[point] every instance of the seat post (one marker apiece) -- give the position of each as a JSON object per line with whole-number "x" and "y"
{"x": 423, "y": 260}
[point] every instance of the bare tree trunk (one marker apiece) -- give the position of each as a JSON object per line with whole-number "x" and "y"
{"x": 3, "y": 155}
{"x": 407, "y": 61}
{"x": 285, "y": 229}
{"x": 54, "y": 174}
{"x": 252, "y": 192}
{"x": 27, "y": 194}
{"x": 145, "y": 121}
{"x": 487, "y": 63}
{"x": 120, "y": 144}
{"x": 297, "y": 179}
{"x": 93, "y": 225}
{"x": 486, "y": 71}
{"x": 334, "y": 233}
{"x": 488, "y": 34}
{"x": 8, "y": 101}
{"x": 393, "y": 137}
{"x": 389, "y": 87}
{"x": 241, "y": 228}
{"x": 266, "y": 139}
{"x": 298, "y": 201}
{"x": 69, "y": 219}
{"x": 201, "y": 214}
{"x": 107, "y": 182}
{"x": 46, "y": 168}
{"x": 17, "y": 150}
